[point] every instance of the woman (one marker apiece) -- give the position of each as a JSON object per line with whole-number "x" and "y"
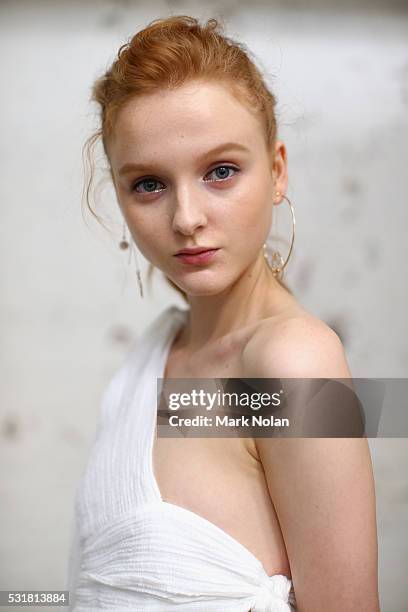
{"x": 261, "y": 524}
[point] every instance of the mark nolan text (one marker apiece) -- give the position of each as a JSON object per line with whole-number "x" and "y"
{"x": 226, "y": 421}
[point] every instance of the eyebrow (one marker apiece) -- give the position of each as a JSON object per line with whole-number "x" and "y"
{"x": 130, "y": 167}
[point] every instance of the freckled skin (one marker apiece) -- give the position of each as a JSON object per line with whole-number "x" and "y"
{"x": 185, "y": 201}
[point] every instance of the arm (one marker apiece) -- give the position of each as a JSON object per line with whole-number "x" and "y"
{"x": 322, "y": 488}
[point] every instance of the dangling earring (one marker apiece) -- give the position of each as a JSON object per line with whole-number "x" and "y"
{"x": 123, "y": 245}
{"x": 275, "y": 260}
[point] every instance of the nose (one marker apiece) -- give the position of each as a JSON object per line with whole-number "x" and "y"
{"x": 188, "y": 213}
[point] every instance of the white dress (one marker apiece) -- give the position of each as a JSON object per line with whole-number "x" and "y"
{"x": 131, "y": 550}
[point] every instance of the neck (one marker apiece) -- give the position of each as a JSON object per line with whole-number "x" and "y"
{"x": 255, "y": 295}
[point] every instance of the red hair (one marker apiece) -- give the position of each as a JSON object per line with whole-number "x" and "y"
{"x": 168, "y": 53}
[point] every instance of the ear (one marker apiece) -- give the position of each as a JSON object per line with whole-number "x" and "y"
{"x": 280, "y": 170}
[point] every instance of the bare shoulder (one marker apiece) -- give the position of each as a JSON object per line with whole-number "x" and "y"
{"x": 322, "y": 488}
{"x": 294, "y": 345}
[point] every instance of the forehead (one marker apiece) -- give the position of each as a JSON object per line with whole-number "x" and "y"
{"x": 194, "y": 117}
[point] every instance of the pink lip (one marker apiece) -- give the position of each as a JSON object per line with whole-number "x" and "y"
{"x": 198, "y": 258}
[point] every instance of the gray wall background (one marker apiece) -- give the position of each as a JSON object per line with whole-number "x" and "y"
{"x": 69, "y": 303}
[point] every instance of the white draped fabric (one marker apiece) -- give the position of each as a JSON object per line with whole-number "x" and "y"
{"x": 131, "y": 550}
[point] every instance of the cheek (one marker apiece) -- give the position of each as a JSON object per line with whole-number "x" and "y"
{"x": 149, "y": 232}
{"x": 249, "y": 215}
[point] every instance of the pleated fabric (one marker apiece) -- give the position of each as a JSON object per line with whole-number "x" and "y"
{"x": 130, "y": 549}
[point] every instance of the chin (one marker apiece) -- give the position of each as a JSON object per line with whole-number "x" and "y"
{"x": 202, "y": 287}
{"x": 202, "y": 292}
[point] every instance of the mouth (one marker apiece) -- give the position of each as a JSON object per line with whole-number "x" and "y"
{"x": 194, "y": 250}
{"x": 197, "y": 257}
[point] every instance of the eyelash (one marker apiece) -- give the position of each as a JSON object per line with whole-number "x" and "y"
{"x": 139, "y": 182}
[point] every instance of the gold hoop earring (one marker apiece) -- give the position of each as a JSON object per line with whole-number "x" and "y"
{"x": 124, "y": 245}
{"x": 275, "y": 259}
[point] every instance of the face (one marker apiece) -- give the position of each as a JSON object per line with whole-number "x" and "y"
{"x": 177, "y": 192}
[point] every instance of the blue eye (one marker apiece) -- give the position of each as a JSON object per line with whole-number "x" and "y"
{"x": 223, "y": 178}
{"x": 151, "y": 182}
{"x": 148, "y": 181}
